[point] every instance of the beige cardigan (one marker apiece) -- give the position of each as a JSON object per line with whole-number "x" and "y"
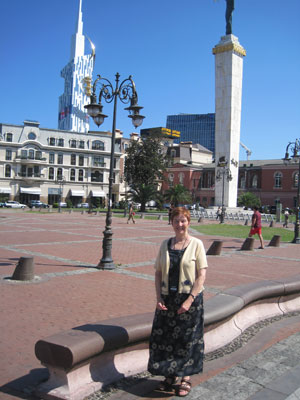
{"x": 194, "y": 258}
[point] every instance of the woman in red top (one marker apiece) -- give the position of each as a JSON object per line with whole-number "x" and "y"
{"x": 256, "y": 226}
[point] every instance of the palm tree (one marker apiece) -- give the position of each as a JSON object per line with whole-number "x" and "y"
{"x": 178, "y": 194}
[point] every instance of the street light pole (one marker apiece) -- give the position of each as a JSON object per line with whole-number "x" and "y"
{"x": 295, "y": 146}
{"x": 125, "y": 92}
{"x": 221, "y": 175}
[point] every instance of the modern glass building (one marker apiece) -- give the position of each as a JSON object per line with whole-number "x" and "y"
{"x": 195, "y": 128}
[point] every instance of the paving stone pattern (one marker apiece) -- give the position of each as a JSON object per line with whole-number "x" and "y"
{"x": 69, "y": 290}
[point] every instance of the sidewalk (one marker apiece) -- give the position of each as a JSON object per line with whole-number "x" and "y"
{"x": 70, "y": 291}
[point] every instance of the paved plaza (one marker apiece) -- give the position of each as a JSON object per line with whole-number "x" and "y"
{"x": 69, "y": 291}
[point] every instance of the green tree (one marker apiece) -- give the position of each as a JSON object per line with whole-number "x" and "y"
{"x": 144, "y": 167}
{"x": 248, "y": 200}
{"x": 178, "y": 194}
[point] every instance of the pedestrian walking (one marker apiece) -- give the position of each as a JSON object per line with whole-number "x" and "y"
{"x": 256, "y": 226}
{"x": 286, "y": 219}
{"x": 131, "y": 214}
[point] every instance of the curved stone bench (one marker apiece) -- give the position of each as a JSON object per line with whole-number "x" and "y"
{"x": 82, "y": 360}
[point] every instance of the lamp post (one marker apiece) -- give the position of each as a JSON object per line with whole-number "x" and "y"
{"x": 125, "y": 92}
{"x": 222, "y": 171}
{"x": 295, "y": 147}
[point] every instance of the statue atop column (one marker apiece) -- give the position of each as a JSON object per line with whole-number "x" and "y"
{"x": 228, "y": 16}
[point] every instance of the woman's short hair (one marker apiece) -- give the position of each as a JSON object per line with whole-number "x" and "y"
{"x": 180, "y": 210}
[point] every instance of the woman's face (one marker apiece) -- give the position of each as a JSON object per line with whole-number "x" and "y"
{"x": 180, "y": 224}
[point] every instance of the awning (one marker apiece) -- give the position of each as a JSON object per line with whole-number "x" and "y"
{"x": 6, "y": 190}
{"x": 30, "y": 190}
{"x": 98, "y": 193}
{"x": 78, "y": 193}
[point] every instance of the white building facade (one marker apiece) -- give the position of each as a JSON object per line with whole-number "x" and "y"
{"x": 52, "y": 165}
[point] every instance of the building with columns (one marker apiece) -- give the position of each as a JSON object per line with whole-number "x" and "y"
{"x": 52, "y": 165}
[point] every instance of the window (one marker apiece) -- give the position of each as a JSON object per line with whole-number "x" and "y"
{"x": 254, "y": 181}
{"x": 181, "y": 177}
{"x": 60, "y": 158}
{"x": 59, "y": 174}
{"x": 295, "y": 179}
{"x": 36, "y": 171}
{"x": 9, "y": 137}
{"x": 277, "y": 180}
{"x": 51, "y": 173}
{"x": 7, "y": 171}
{"x": 173, "y": 153}
{"x": 52, "y": 141}
{"x": 98, "y": 161}
{"x": 97, "y": 176}
{"x": 31, "y": 136}
{"x": 80, "y": 175}
{"x": 72, "y": 175}
{"x": 97, "y": 145}
{"x": 73, "y": 144}
{"x": 243, "y": 182}
{"x": 23, "y": 170}
{"x": 29, "y": 171}
{"x": 24, "y": 154}
{"x": 31, "y": 154}
{"x": 81, "y": 144}
{"x": 60, "y": 142}
{"x": 73, "y": 159}
{"x": 171, "y": 179}
{"x": 51, "y": 158}
{"x": 38, "y": 155}
{"x": 81, "y": 161}
{"x": 8, "y": 154}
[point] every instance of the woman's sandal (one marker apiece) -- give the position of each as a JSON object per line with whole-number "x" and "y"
{"x": 167, "y": 384}
{"x": 185, "y": 386}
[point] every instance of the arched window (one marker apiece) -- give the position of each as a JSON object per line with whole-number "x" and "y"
{"x": 73, "y": 159}
{"x": 9, "y": 137}
{"x": 72, "y": 174}
{"x": 243, "y": 182}
{"x": 295, "y": 179}
{"x": 171, "y": 179}
{"x": 254, "y": 181}
{"x": 277, "y": 179}
{"x": 97, "y": 145}
{"x": 181, "y": 177}
{"x": 59, "y": 174}
{"x": 80, "y": 175}
{"x": 31, "y": 154}
{"x": 51, "y": 173}
{"x": 97, "y": 176}
{"x": 7, "y": 171}
{"x": 52, "y": 141}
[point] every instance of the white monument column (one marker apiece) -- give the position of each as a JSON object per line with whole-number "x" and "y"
{"x": 228, "y": 99}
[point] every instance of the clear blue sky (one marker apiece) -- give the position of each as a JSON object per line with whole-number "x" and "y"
{"x": 167, "y": 46}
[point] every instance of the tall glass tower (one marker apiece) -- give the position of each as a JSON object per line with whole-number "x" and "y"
{"x": 195, "y": 128}
{"x": 71, "y": 114}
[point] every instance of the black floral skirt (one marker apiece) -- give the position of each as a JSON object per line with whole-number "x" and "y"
{"x": 176, "y": 343}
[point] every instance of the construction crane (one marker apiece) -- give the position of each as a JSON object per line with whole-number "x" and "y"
{"x": 248, "y": 151}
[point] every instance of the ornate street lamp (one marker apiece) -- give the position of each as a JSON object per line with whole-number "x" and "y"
{"x": 61, "y": 181}
{"x": 295, "y": 147}
{"x": 126, "y": 92}
{"x": 222, "y": 171}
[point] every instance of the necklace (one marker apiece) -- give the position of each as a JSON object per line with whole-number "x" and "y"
{"x": 179, "y": 242}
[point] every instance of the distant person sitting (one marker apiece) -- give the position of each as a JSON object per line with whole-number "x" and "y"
{"x": 256, "y": 226}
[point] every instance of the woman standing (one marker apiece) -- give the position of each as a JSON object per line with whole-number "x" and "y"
{"x": 176, "y": 342}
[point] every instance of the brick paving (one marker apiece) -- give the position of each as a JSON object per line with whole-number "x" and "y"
{"x": 69, "y": 290}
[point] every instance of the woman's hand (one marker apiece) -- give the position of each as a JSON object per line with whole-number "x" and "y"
{"x": 160, "y": 305}
{"x": 185, "y": 306}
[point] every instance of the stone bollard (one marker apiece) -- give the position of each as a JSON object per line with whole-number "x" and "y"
{"x": 248, "y": 244}
{"x": 142, "y": 216}
{"x": 246, "y": 222}
{"x": 24, "y": 270}
{"x": 215, "y": 248}
{"x": 271, "y": 224}
{"x": 275, "y": 241}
